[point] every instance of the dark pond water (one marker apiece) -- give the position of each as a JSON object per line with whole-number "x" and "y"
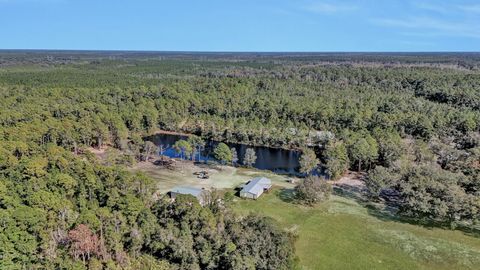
{"x": 273, "y": 159}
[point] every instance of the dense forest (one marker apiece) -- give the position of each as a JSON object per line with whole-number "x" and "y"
{"x": 410, "y": 121}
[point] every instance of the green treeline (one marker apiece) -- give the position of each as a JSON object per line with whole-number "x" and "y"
{"x": 61, "y": 211}
{"x": 415, "y": 130}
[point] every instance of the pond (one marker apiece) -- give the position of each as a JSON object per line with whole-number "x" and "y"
{"x": 273, "y": 159}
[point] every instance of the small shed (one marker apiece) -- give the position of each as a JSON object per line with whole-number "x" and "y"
{"x": 195, "y": 192}
{"x": 256, "y": 187}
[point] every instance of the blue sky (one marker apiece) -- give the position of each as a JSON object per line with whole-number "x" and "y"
{"x": 241, "y": 25}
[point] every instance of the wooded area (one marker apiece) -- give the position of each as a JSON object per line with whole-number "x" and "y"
{"x": 411, "y": 121}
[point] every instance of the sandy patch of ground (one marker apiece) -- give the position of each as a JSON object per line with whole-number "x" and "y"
{"x": 221, "y": 177}
{"x": 352, "y": 179}
{"x": 351, "y": 185}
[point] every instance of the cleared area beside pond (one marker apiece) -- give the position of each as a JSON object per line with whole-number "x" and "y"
{"x": 220, "y": 177}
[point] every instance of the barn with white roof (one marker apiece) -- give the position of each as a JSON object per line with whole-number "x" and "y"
{"x": 255, "y": 188}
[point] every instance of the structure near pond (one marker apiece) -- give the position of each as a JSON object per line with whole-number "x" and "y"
{"x": 256, "y": 187}
{"x": 198, "y": 193}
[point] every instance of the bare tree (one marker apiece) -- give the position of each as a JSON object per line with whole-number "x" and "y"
{"x": 148, "y": 149}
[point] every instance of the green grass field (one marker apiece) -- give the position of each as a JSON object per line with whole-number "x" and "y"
{"x": 342, "y": 234}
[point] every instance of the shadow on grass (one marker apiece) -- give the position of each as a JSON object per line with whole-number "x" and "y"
{"x": 386, "y": 214}
{"x": 385, "y": 211}
{"x": 350, "y": 192}
{"x": 286, "y": 195}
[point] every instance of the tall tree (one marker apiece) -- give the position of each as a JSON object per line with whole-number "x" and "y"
{"x": 390, "y": 146}
{"x": 362, "y": 148}
{"x": 149, "y": 148}
{"x": 222, "y": 153}
{"x": 198, "y": 144}
{"x": 83, "y": 242}
{"x": 250, "y": 157}
{"x": 308, "y": 161}
{"x": 336, "y": 159}
{"x": 234, "y": 156}
{"x": 183, "y": 148}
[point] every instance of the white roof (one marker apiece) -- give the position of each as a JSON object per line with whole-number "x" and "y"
{"x": 257, "y": 185}
{"x": 196, "y": 192}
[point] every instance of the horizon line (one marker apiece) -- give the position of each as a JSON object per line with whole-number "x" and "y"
{"x": 231, "y": 52}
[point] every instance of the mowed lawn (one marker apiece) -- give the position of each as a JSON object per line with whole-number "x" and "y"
{"x": 342, "y": 234}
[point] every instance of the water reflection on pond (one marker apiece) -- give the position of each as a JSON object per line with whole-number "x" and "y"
{"x": 273, "y": 159}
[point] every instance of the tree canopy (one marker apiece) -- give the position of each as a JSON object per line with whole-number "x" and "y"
{"x": 223, "y": 153}
{"x": 411, "y": 121}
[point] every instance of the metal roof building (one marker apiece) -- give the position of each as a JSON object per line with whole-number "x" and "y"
{"x": 256, "y": 187}
{"x": 195, "y": 192}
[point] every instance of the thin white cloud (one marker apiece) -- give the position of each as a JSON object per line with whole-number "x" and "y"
{"x": 327, "y": 7}
{"x": 447, "y": 8}
{"x": 437, "y": 7}
{"x": 429, "y": 25}
{"x": 470, "y": 8}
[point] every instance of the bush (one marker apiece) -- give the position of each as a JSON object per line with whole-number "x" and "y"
{"x": 379, "y": 179}
{"x": 312, "y": 190}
